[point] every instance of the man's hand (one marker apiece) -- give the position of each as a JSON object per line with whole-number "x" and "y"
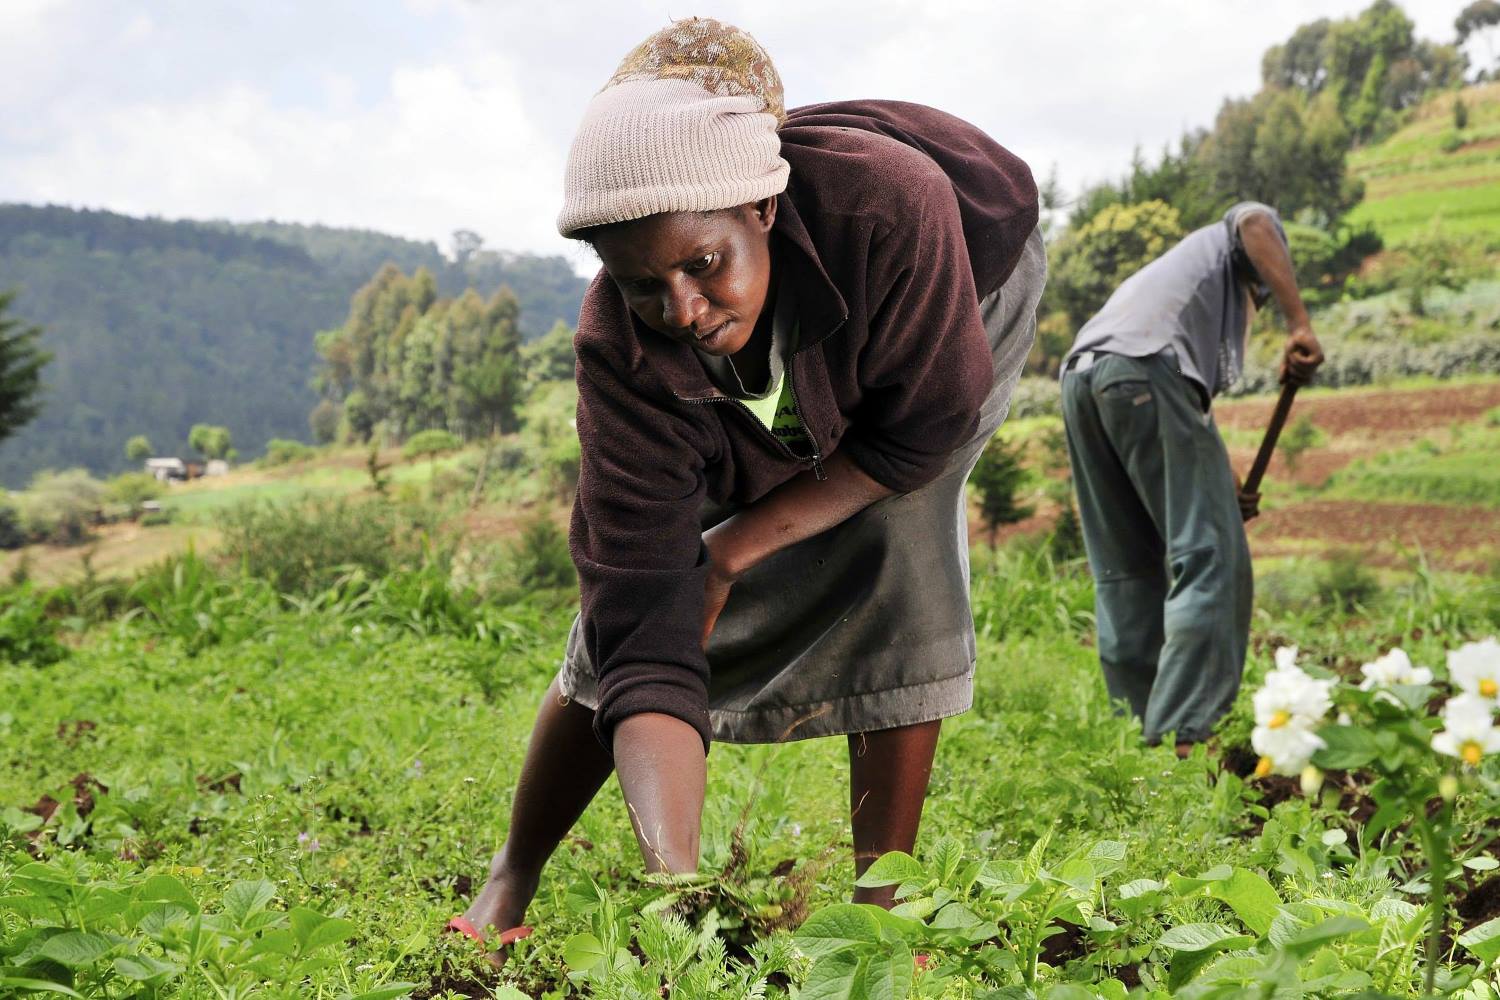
{"x": 1302, "y": 357}
{"x": 1249, "y": 502}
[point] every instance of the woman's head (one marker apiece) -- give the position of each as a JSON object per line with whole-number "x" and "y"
{"x": 678, "y": 155}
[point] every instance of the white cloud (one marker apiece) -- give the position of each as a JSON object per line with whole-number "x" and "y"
{"x": 421, "y": 116}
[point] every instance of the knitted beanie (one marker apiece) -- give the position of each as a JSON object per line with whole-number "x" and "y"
{"x": 686, "y": 124}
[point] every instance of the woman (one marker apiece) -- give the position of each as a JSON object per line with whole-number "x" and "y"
{"x": 807, "y": 326}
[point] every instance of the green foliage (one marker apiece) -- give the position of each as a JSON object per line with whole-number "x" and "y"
{"x": 997, "y": 477}
{"x": 28, "y": 635}
{"x": 1460, "y": 114}
{"x": 303, "y": 547}
{"x": 60, "y": 507}
{"x": 410, "y": 360}
{"x": 323, "y": 421}
{"x": 159, "y": 324}
{"x": 210, "y": 441}
{"x": 549, "y": 358}
{"x": 1346, "y": 583}
{"x": 21, "y": 364}
{"x": 539, "y": 558}
{"x": 426, "y": 444}
{"x": 282, "y": 451}
{"x": 1089, "y": 263}
{"x": 1437, "y": 259}
{"x": 98, "y": 929}
{"x": 138, "y": 448}
{"x": 132, "y": 489}
{"x": 1302, "y": 435}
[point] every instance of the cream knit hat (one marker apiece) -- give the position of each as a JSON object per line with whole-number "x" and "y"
{"x": 686, "y": 124}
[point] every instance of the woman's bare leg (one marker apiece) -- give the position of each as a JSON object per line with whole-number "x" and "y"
{"x": 888, "y": 773}
{"x": 564, "y": 769}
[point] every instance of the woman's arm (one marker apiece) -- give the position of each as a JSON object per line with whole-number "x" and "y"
{"x": 1273, "y": 262}
{"x": 796, "y": 510}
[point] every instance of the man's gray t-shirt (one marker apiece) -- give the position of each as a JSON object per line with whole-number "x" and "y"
{"x": 1190, "y": 299}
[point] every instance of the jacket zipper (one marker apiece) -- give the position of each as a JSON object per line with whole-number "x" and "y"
{"x": 817, "y": 455}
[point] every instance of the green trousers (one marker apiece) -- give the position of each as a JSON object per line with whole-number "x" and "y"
{"x": 1161, "y": 522}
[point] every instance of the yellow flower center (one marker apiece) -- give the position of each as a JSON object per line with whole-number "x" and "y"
{"x": 1471, "y": 752}
{"x": 1488, "y": 688}
{"x": 1281, "y": 718}
{"x": 1263, "y": 767}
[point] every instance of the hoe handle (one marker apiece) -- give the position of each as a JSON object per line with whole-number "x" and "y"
{"x": 1268, "y": 443}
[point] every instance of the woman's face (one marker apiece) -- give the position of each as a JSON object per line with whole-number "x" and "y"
{"x": 699, "y": 278}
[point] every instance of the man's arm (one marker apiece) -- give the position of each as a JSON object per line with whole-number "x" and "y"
{"x": 1273, "y": 262}
{"x": 796, "y": 510}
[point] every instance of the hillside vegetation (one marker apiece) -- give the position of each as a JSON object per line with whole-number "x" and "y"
{"x": 155, "y": 325}
{"x": 1431, "y": 169}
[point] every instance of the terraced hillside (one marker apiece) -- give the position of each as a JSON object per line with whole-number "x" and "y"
{"x": 1431, "y": 168}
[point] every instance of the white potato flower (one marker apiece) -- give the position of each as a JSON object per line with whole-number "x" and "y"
{"x": 1285, "y": 749}
{"x": 1475, "y": 668}
{"x": 1392, "y": 669}
{"x": 1468, "y": 729}
{"x": 1289, "y": 696}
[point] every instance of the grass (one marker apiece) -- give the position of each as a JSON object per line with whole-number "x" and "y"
{"x": 364, "y": 769}
{"x": 1464, "y": 470}
{"x": 1409, "y": 179}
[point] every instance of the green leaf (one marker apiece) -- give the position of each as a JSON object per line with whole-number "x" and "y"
{"x": 957, "y": 920}
{"x": 1310, "y": 939}
{"x": 1202, "y": 937}
{"x": 582, "y": 952}
{"x": 243, "y": 899}
{"x": 839, "y": 975}
{"x": 75, "y": 949}
{"x": 1184, "y": 886}
{"x": 889, "y": 974}
{"x": 393, "y": 990}
{"x": 1483, "y": 863}
{"x": 313, "y": 930}
{"x": 1348, "y": 747}
{"x": 140, "y": 968}
{"x": 836, "y": 929}
{"x": 1251, "y": 898}
{"x": 1483, "y": 941}
{"x": 166, "y": 889}
{"x": 39, "y": 986}
{"x": 892, "y": 869}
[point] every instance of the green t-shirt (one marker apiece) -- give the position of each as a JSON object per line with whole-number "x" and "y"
{"x": 773, "y": 405}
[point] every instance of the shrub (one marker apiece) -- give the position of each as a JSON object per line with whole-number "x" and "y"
{"x": 429, "y": 444}
{"x": 539, "y": 559}
{"x": 27, "y": 634}
{"x": 1344, "y": 582}
{"x": 1451, "y": 141}
{"x": 281, "y": 451}
{"x": 12, "y": 536}
{"x": 138, "y": 448}
{"x": 324, "y": 421}
{"x": 997, "y": 477}
{"x": 60, "y": 507}
{"x": 301, "y": 547}
{"x": 132, "y": 489}
{"x": 1299, "y": 437}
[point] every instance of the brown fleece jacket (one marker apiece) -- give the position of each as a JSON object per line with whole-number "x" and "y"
{"x": 897, "y": 220}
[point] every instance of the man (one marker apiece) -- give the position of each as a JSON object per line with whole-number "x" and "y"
{"x": 1161, "y": 510}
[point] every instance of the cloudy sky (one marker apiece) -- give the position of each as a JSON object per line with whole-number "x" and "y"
{"x": 419, "y": 117}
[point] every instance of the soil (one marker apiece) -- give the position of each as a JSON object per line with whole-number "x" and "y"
{"x": 1386, "y": 532}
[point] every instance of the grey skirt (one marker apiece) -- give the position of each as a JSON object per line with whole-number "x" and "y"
{"x": 867, "y": 625}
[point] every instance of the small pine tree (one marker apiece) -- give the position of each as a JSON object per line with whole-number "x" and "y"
{"x": 21, "y": 363}
{"x": 997, "y": 477}
{"x": 1460, "y": 114}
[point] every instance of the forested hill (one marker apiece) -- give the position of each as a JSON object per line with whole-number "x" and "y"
{"x": 155, "y": 325}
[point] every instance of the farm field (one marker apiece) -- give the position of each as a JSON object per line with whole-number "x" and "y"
{"x": 228, "y": 793}
{"x": 1411, "y": 178}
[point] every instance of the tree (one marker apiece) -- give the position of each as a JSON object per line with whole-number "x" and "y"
{"x": 1090, "y": 262}
{"x": 323, "y": 422}
{"x": 997, "y": 477}
{"x": 549, "y": 358}
{"x": 1435, "y": 259}
{"x": 1479, "y": 19}
{"x": 210, "y": 441}
{"x": 466, "y": 243}
{"x": 21, "y": 363}
{"x": 138, "y": 448}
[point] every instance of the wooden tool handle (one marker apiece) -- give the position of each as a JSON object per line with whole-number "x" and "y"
{"x": 1268, "y": 443}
